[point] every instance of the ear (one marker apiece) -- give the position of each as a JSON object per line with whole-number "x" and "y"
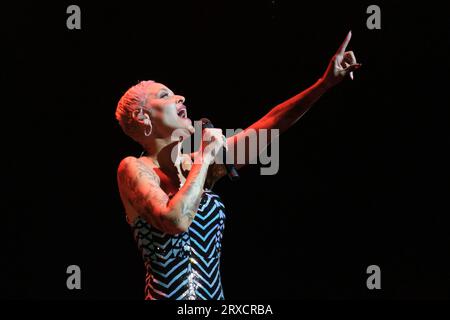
{"x": 141, "y": 116}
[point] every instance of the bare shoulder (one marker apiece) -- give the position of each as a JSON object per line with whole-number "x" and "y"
{"x": 126, "y": 163}
{"x": 136, "y": 168}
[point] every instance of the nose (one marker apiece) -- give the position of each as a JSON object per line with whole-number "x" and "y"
{"x": 179, "y": 99}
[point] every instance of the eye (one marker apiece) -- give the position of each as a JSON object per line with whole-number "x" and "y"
{"x": 164, "y": 95}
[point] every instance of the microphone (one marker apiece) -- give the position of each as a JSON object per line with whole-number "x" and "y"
{"x": 231, "y": 170}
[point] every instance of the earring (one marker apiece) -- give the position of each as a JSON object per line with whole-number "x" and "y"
{"x": 147, "y": 122}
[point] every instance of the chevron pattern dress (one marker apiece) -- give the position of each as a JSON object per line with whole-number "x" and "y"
{"x": 185, "y": 266}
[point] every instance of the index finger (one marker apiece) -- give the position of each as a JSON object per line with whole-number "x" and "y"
{"x": 344, "y": 44}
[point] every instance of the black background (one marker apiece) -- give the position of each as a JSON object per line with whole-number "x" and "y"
{"x": 363, "y": 175}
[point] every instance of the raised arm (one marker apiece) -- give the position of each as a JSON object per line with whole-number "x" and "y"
{"x": 287, "y": 113}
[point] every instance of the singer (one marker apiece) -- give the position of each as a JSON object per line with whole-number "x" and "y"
{"x": 176, "y": 218}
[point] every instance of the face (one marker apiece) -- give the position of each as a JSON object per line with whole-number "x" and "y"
{"x": 168, "y": 111}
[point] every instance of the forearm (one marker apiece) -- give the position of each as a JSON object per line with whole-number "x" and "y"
{"x": 182, "y": 208}
{"x": 290, "y": 111}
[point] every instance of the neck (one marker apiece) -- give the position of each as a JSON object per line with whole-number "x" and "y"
{"x": 159, "y": 150}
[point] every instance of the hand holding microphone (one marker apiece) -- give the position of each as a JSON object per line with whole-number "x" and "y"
{"x": 212, "y": 141}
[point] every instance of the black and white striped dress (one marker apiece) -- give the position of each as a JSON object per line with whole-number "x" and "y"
{"x": 185, "y": 266}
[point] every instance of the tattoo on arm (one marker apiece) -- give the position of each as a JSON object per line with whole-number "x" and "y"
{"x": 182, "y": 207}
{"x": 146, "y": 204}
{"x": 189, "y": 196}
{"x": 189, "y": 205}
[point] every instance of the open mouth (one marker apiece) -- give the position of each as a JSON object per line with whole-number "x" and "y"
{"x": 182, "y": 113}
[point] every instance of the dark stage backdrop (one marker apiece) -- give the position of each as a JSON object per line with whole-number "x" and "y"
{"x": 363, "y": 176}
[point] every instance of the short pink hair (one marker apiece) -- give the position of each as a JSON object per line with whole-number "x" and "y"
{"x": 134, "y": 99}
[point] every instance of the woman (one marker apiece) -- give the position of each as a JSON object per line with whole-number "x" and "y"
{"x": 177, "y": 220}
